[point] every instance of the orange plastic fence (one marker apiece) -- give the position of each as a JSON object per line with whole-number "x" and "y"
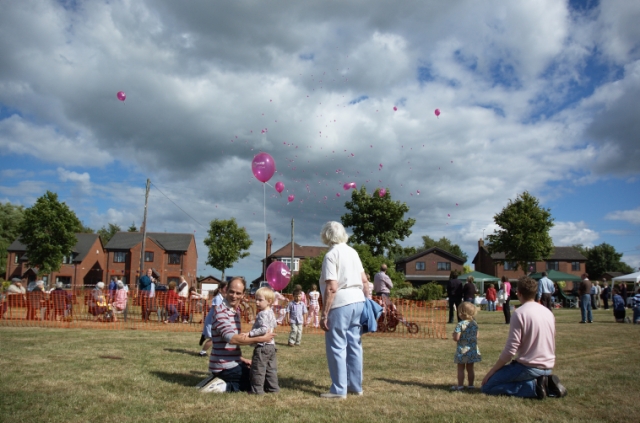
{"x": 78, "y": 309}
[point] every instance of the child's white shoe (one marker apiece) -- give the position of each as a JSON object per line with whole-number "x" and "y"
{"x": 457, "y": 388}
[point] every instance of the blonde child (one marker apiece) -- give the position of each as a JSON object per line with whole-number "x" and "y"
{"x": 264, "y": 363}
{"x": 467, "y": 353}
{"x": 314, "y": 306}
{"x": 297, "y": 316}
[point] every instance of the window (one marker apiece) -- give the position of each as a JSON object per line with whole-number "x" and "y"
{"x": 119, "y": 256}
{"x": 420, "y": 265}
{"x": 444, "y": 265}
{"x": 575, "y": 266}
{"x": 67, "y": 259}
{"x": 296, "y": 263}
{"x": 553, "y": 265}
{"x": 174, "y": 258}
{"x": 531, "y": 266}
{"x": 148, "y": 256}
{"x": 173, "y": 279}
{"x": 66, "y": 280}
{"x": 510, "y": 265}
{"x": 16, "y": 258}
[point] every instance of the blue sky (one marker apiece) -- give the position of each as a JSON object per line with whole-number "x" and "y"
{"x": 535, "y": 96}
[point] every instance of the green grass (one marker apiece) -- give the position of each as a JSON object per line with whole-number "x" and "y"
{"x": 76, "y": 375}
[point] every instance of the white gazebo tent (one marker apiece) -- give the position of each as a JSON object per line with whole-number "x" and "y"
{"x": 633, "y": 277}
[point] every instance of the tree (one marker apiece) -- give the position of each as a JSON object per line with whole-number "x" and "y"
{"x": 226, "y": 242}
{"x": 309, "y": 272}
{"x": 48, "y": 230}
{"x": 85, "y": 229}
{"x": 524, "y": 231}
{"x": 445, "y": 244}
{"x": 132, "y": 228}
{"x": 603, "y": 258}
{"x": 377, "y": 221}
{"x": 10, "y": 219}
{"x": 107, "y": 233}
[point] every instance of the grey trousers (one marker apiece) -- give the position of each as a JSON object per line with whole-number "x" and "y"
{"x": 264, "y": 370}
{"x": 295, "y": 336}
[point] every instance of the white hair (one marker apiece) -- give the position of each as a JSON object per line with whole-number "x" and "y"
{"x": 120, "y": 284}
{"x": 333, "y": 233}
{"x": 59, "y": 284}
{"x": 40, "y": 283}
{"x": 100, "y": 285}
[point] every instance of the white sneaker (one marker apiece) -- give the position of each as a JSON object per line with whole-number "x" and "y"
{"x": 332, "y": 396}
{"x": 216, "y": 385}
{"x": 457, "y": 388}
{"x": 356, "y": 393}
{"x": 205, "y": 381}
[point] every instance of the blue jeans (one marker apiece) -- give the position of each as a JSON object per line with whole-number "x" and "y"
{"x": 237, "y": 378}
{"x": 344, "y": 348}
{"x": 172, "y": 310}
{"x": 491, "y": 305}
{"x": 636, "y": 315}
{"x": 585, "y": 308}
{"x": 514, "y": 379}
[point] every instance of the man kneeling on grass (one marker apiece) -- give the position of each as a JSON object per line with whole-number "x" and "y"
{"x": 532, "y": 338}
{"x": 229, "y": 370}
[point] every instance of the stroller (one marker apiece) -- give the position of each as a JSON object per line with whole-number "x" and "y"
{"x": 391, "y": 318}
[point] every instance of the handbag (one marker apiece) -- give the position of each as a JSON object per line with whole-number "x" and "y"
{"x": 501, "y": 296}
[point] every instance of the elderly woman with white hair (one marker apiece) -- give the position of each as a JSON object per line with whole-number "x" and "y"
{"x": 98, "y": 303}
{"x": 343, "y": 284}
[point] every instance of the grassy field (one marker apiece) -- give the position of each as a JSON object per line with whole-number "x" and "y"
{"x": 73, "y": 375}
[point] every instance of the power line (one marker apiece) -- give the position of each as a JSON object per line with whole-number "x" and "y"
{"x": 154, "y": 185}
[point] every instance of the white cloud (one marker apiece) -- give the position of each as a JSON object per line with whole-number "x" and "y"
{"x": 571, "y": 233}
{"x": 631, "y": 216}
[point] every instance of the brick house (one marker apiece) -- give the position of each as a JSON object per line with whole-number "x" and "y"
{"x": 301, "y": 253}
{"x": 434, "y": 264}
{"x": 564, "y": 259}
{"x": 169, "y": 256}
{"x": 84, "y": 266}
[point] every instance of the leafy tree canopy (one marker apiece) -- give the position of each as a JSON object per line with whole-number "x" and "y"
{"x": 524, "y": 231}
{"x": 48, "y": 230}
{"x": 10, "y": 219}
{"x": 445, "y": 244}
{"x": 107, "y": 233}
{"x": 377, "y": 221}
{"x": 132, "y": 228}
{"x": 603, "y": 258}
{"x": 227, "y": 244}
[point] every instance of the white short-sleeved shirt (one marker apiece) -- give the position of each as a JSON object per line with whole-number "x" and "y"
{"x": 342, "y": 264}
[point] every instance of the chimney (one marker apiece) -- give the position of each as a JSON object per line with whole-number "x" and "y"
{"x": 268, "y": 245}
{"x": 480, "y": 243}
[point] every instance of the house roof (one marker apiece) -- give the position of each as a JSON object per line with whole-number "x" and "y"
{"x": 299, "y": 251}
{"x": 208, "y": 278}
{"x": 558, "y": 253}
{"x": 81, "y": 249}
{"x": 167, "y": 241}
{"x": 429, "y": 251}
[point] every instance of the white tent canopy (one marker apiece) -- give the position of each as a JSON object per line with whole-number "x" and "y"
{"x": 633, "y": 277}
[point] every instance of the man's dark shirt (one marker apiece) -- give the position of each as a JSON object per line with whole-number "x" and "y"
{"x": 454, "y": 288}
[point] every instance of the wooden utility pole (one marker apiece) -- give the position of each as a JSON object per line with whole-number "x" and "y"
{"x": 144, "y": 229}
{"x": 292, "y": 255}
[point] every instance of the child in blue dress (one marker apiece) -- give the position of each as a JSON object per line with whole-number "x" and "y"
{"x": 467, "y": 353}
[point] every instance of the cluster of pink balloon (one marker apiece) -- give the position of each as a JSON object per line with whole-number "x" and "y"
{"x": 382, "y": 192}
{"x": 278, "y": 275}
{"x": 347, "y": 186}
{"x": 121, "y": 96}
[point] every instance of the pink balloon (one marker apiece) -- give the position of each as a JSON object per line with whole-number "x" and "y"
{"x": 121, "y": 96}
{"x": 382, "y": 192}
{"x": 437, "y": 112}
{"x": 263, "y": 167}
{"x": 337, "y": 194}
{"x": 279, "y": 186}
{"x": 353, "y": 185}
{"x": 291, "y": 198}
{"x": 278, "y": 275}
{"x": 395, "y": 108}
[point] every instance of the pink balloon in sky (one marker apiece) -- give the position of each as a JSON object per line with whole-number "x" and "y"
{"x": 382, "y": 192}
{"x": 279, "y": 186}
{"x": 263, "y": 167}
{"x": 437, "y": 112}
{"x": 121, "y": 96}
{"x": 291, "y": 197}
{"x": 395, "y": 108}
{"x": 278, "y": 275}
{"x": 353, "y": 185}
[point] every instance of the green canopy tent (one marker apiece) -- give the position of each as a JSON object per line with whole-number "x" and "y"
{"x": 481, "y": 278}
{"x": 556, "y": 276}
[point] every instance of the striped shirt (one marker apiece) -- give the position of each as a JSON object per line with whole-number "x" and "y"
{"x": 636, "y": 300}
{"x": 265, "y": 323}
{"x": 225, "y": 324}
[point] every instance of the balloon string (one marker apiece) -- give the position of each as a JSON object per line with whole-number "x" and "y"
{"x": 264, "y": 215}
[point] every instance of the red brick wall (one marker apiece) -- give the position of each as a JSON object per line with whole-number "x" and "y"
{"x": 431, "y": 265}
